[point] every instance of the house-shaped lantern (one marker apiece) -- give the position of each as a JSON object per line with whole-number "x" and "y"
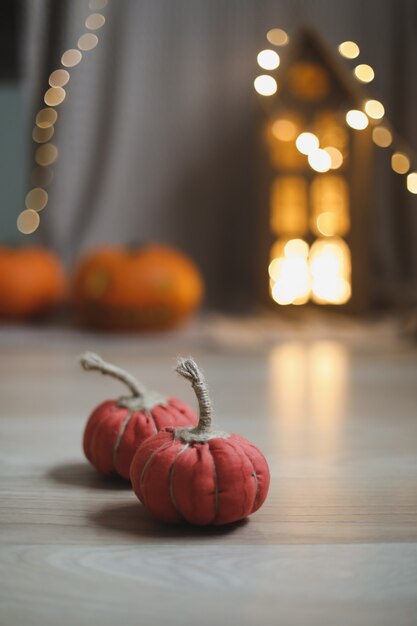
{"x": 318, "y": 137}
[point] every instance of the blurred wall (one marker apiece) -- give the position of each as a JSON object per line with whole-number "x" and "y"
{"x": 157, "y": 136}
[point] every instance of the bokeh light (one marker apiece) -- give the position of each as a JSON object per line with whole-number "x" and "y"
{"x": 319, "y": 160}
{"x": 54, "y": 96}
{"x": 306, "y": 143}
{"x": 36, "y": 199}
{"x": 364, "y": 73}
{"x": 400, "y": 163}
{"x": 59, "y": 78}
{"x": 95, "y": 21}
{"x": 349, "y": 49}
{"x": 336, "y": 157}
{"x": 381, "y": 136}
{"x": 268, "y": 59}
{"x": 42, "y": 135}
{"x": 284, "y": 130}
{"x": 28, "y": 221}
{"x": 88, "y": 41}
{"x": 277, "y": 37}
{"x": 374, "y": 109}
{"x": 70, "y": 58}
{"x": 357, "y": 119}
{"x": 265, "y": 85}
{"x": 412, "y": 182}
{"x": 46, "y": 154}
{"x": 46, "y": 118}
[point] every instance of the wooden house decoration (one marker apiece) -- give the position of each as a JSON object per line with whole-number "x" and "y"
{"x": 319, "y": 129}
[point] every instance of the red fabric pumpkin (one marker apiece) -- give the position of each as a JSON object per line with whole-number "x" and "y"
{"x": 199, "y": 475}
{"x": 116, "y": 428}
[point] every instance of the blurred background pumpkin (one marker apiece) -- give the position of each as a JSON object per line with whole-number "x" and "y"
{"x": 32, "y": 281}
{"x": 151, "y": 287}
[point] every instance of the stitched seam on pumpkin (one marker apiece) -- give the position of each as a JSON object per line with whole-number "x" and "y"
{"x": 216, "y": 489}
{"x": 150, "y": 414}
{"x": 241, "y": 449}
{"x": 171, "y": 481}
{"x": 255, "y": 475}
{"x": 120, "y": 437}
{"x": 149, "y": 460}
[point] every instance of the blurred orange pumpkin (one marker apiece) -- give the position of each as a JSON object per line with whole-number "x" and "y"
{"x": 32, "y": 281}
{"x": 151, "y": 287}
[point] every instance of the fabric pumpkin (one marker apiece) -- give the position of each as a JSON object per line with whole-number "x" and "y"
{"x": 32, "y": 281}
{"x": 153, "y": 287}
{"x": 116, "y": 428}
{"x": 197, "y": 474}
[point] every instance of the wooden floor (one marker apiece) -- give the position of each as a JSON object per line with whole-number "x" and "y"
{"x": 335, "y": 543}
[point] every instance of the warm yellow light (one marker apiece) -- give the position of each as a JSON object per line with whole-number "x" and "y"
{"x": 306, "y": 143}
{"x": 329, "y": 202}
{"x": 46, "y": 118}
{"x": 412, "y": 182}
{"x": 327, "y": 223}
{"x": 28, "y": 221}
{"x": 400, "y": 163}
{"x": 87, "y": 42}
{"x": 277, "y": 37}
{"x": 356, "y": 119}
{"x": 59, "y": 78}
{"x": 296, "y": 247}
{"x": 41, "y": 135}
{"x": 381, "y": 136}
{"x": 349, "y": 49}
{"x": 265, "y": 85}
{"x": 289, "y": 206}
{"x": 46, "y": 154}
{"x": 95, "y": 21}
{"x": 364, "y": 73}
{"x": 374, "y": 109}
{"x": 319, "y": 160}
{"x": 293, "y": 282}
{"x": 36, "y": 199}
{"x": 268, "y": 59}
{"x": 330, "y": 268}
{"x": 284, "y": 130}
{"x": 71, "y": 57}
{"x": 336, "y": 157}
{"x": 289, "y": 272}
{"x": 54, "y": 96}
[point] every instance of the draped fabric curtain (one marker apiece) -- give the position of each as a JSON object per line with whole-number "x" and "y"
{"x": 157, "y": 135}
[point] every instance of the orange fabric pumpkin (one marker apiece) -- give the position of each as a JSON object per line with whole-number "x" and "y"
{"x": 153, "y": 287}
{"x": 199, "y": 475}
{"x": 32, "y": 281}
{"x": 116, "y": 428}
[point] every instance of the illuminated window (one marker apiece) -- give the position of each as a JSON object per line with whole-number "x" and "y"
{"x": 330, "y": 268}
{"x": 289, "y": 206}
{"x": 329, "y": 195}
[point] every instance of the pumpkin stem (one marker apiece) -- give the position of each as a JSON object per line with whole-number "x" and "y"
{"x": 189, "y": 369}
{"x": 91, "y": 361}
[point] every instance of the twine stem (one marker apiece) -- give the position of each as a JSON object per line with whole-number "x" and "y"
{"x": 189, "y": 369}
{"x": 91, "y": 361}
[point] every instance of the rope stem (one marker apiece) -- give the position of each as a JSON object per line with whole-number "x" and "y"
{"x": 189, "y": 369}
{"x": 91, "y": 361}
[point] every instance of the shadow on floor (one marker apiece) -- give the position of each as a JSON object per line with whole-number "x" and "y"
{"x": 134, "y": 520}
{"x": 81, "y": 474}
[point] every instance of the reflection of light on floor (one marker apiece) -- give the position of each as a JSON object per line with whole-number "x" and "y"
{"x": 308, "y": 395}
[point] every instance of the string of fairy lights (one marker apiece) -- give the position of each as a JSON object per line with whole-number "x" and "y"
{"x": 323, "y": 159}
{"x": 47, "y": 153}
